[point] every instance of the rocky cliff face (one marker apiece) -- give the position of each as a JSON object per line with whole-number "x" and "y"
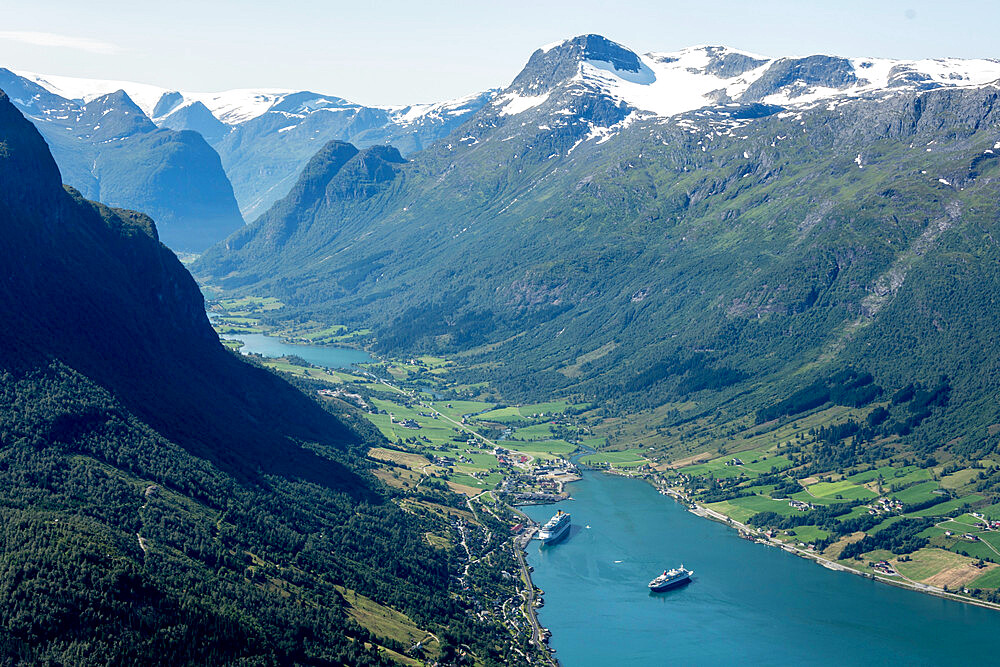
{"x": 92, "y": 287}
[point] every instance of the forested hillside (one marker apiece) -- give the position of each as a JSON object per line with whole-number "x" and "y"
{"x": 163, "y": 501}
{"x": 731, "y": 255}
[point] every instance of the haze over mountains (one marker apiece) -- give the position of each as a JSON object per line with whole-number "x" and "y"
{"x": 109, "y": 150}
{"x": 264, "y": 137}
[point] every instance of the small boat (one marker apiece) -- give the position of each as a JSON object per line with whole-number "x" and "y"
{"x": 670, "y": 579}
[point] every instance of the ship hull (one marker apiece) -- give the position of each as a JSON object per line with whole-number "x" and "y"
{"x": 676, "y": 583}
{"x": 555, "y": 537}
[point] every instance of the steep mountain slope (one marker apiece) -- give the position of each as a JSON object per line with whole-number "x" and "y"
{"x": 109, "y": 150}
{"x": 264, "y": 155}
{"x": 266, "y": 136}
{"x": 732, "y": 252}
{"x": 162, "y": 501}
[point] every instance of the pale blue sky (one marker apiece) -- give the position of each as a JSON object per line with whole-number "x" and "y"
{"x": 396, "y": 52}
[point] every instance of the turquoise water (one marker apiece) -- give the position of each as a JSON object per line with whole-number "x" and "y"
{"x": 747, "y": 605}
{"x": 328, "y": 357}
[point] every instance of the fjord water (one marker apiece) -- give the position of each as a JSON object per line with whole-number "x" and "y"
{"x": 748, "y": 604}
{"x": 328, "y": 357}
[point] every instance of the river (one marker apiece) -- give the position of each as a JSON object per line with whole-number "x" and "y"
{"x": 328, "y": 357}
{"x": 747, "y": 604}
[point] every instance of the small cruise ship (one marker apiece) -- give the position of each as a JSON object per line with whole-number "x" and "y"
{"x": 670, "y": 579}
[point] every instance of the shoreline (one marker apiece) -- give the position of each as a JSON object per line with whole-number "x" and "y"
{"x": 747, "y": 532}
{"x": 758, "y": 537}
{"x": 539, "y": 633}
{"x": 755, "y": 535}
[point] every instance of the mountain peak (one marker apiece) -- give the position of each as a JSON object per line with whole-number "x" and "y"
{"x": 592, "y": 72}
{"x": 555, "y": 63}
{"x": 602, "y": 49}
{"x": 114, "y": 115}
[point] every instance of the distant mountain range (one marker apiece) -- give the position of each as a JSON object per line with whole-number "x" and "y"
{"x": 652, "y": 229}
{"x": 264, "y": 137}
{"x": 108, "y": 149}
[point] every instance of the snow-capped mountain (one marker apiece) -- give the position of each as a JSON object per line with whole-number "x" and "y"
{"x": 670, "y": 83}
{"x": 699, "y": 218}
{"x": 599, "y": 87}
{"x": 589, "y": 86}
{"x": 265, "y": 136}
{"x": 108, "y": 149}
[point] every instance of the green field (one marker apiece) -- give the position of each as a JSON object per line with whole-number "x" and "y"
{"x": 547, "y": 446}
{"x": 530, "y": 412}
{"x": 816, "y": 500}
{"x": 963, "y": 523}
{"x": 328, "y": 332}
{"x": 765, "y": 465}
{"x": 437, "y": 432}
{"x": 717, "y": 468}
{"x": 860, "y": 510}
{"x": 457, "y": 409}
{"x": 992, "y": 538}
{"x": 918, "y": 493}
{"x": 809, "y": 534}
{"x": 927, "y": 562}
{"x": 755, "y": 462}
{"x": 992, "y": 512}
{"x": 742, "y": 509}
{"x": 534, "y": 432}
{"x": 973, "y": 549}
{"x": 487, "y": 482}
{"x": 990, "y": 579}
{"x": 761, "y": 489}
{"x": 843, "y": 489}
{"x": 888, "y": 473}
{"x": 434, "y": 362}
{"x": 934, "y": 531}
{"x": 252, "y": 304}
{"x": 764, "y": 504}
{"x": 917, "y": 475}
{"x": 958, "y": 479}
{"x": 507, "y": 415}
{"x": 947, "y": 506}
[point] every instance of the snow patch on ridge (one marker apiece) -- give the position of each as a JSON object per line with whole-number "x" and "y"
{"x": 234, "y": 107}
{"x": 514, "y": 103}
{"x": 143, "y": 94}
{"x": 548, "y": 47}
{"x": 668, "y": 83}
{"x": 408, "y": 115}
